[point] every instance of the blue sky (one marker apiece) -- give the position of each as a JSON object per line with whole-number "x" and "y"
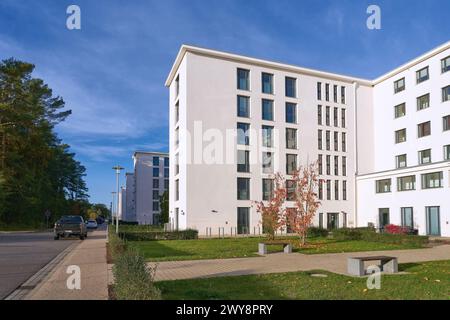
{"x": 111, "y": 73}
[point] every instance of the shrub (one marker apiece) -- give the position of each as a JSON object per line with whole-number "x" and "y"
{"x": 394, "y": 229}
{"x": 347, "y": 234}
{"x": 189, "y": 234}
{"x": 315, "y": 232}
{"x": 116, "y": 245}
{"x": 133, "y": 279}
{"x": 395, "y": 238}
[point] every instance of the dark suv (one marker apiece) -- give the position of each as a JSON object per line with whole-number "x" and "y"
{"x": 70, "y": 226}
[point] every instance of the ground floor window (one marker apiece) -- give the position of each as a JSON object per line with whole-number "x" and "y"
{"x": 344, "y": 219}
{"x": 383, "y": 216}
{"x": 332, "y": 221}
{"x": 433, "y": 221}
{"x": 407, "y": 217}
{"x": 321, "y": 220}
{"x": 243, "y": 220}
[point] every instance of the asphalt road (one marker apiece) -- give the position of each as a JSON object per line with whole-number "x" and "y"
{"x": 24, "y": 254}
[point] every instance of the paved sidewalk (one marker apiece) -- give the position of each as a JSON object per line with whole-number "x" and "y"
{"x": 280, "y": 262}
{"x": 90, "y": 256}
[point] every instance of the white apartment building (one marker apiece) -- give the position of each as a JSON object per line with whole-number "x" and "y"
{"x": 148, "y": 182}
{"x": 130, "y": 209}
{"x": 382, "y": 145}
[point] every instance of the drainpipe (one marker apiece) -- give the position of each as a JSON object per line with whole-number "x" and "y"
{"x": 355, "y": 150}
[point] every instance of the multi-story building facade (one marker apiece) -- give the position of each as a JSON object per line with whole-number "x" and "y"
{"x": 130, "y": 209}
{"x": 235, "y": 120}
{"x": 151, "y": 179}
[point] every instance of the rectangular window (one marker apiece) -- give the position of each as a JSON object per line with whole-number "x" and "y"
{"x": 177, "y": 137}
{"x": 407, "y": 217}
{"x": 399, "y": 85}
{"x": 177, "y": 112}
{"x": 155, "y": 194}
{"x": 383, "y": 186}
{"x": 319, "y": 115}
{"x": 267, "y": 136}
{"x": 177, "y": 190}
{"x": 320, "y": 164}
{"x": 425, "y": 156}
{"x": 156, "y": 161}
{"x": 177, "y": 86}
{"x": 432, "y": 180}
{"x": 267, "y": 109}
{"x": 400, "y": 136}
{"x": 320, "y": 190}
{"x": 344, "y": 190}
{"x": 424, "y": 129}
{"x": 319, "y": 90}
{"x": 343, "y": 95}
{"x": 335, "y": 117}
{"x": 343, "y": 118}
{"x": 243, "y": 106}
{"x": 267, "y": 162}
{"x": 267, "y": 189}
{"x": 447, "y": 152}
{"x": 243, "y": 79}
{"x": 327, "y": 116}
{"x": 177, "y": 163}
{"x": 336, "y": 190}
{"x": 336, "y": 165}
{"x": 401, "y": 161}
{"x": 166, "y": 172}
{"x": 400, "y": 110}
{"x": 422, "y": 75}
{"x": 291, "y": 138}
{"x": 328, "y": 164}
{"x": 291, "y": 87}
{"x": 335, "y": 93}
{"x": 166, "y": 184}
{"x": 406, "y": 183}
{"x": 383, "y": 217}
{"x": 290, "y": 190}
{"x": 327, "y": 92}
{"x": 446, "y": 94}
{"x": 446, "y": 123}
{"x": 321, "y": 220}
{"x": 243, "y": 162}
{"x": 433, "y": 221}
{"x": 155, "y": 183}
{"x": 336, "y": 141}
{"x": 267, "y": 83}
{"x": 344, "y": 142}
{"x": 243, "y": 188}
{"x": 327, "y": 140}
{"x": 423, "y": 102}
{"x": 291, "y": 163}
{"x": 156, "y": 172}
{"x": 328, "y": 189}
{"x": 445, "y": 64}
{"x": 155, "y": 206}
{"x": 243, "y": 220}
{"x": 243, "y": 133}
{"x": 166, "y": 162}
{"x": 344, "y": 166}
{"x": 291, "y": 112}
{"x": 319, "y": 139}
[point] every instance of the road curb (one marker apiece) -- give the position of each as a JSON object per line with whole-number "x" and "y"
{"x": 24, "y": 289}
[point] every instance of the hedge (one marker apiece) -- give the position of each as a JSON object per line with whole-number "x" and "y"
{"x": 369, "y": 234}
{"x": 189, "y": 234}
{"x": 315, "y": 232}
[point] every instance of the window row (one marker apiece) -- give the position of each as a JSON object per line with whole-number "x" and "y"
{"x": 267, "y": 109}
{"x": 156, "y": 161}
{"x": 335, "y": 140}
{"x": 243, "y": 83}
{"x": 325, "y": 187}
{"x": 422, "y": 102}
{"x": 156, "y": 172}
{"x": 327, "y": 163}
{"x": 424, "y": 157}
{"x": 328, "y": 116}
{"x": 422, "y": 75}
{"x": 243, "y": 162}
{"x": 336, "y": 98}
{"x": 423, "y": 130}
{"x": 408, "y": 183}
{"x": 432, "y": 218}
{"x": 156, "y": 184}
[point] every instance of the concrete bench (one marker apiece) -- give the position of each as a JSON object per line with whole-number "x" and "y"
{"x": 355, "y": 265}
{"x": 262, "y": 247}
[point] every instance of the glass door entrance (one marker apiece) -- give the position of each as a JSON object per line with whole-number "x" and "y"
{"x": 433, "y": 221}
{"x": 383, "y": 217}
{"x": 332, "y": 221}
{"x": 243, "y": 220}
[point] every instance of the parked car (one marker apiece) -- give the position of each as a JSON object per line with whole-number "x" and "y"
{"x": 91, "y": 224}
{"x": 69, "y": 226}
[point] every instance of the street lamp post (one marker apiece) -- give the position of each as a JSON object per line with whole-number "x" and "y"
{"x": 117, "y": 169}
{"x": 112, "y": 206}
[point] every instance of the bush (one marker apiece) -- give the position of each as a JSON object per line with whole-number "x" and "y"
{"x": 315, "y": 232}
{"x": 133, "y": 279}
{"x": 140, "y": 228}
{"x": 395, "y": 238}
{"x": 188, "y": 234}
{"x": 394, "y": 229}
{"x": 116, "y": 245}
{"x": 347, "y": 234}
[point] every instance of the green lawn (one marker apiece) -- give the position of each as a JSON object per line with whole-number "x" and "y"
{"x": 429, "y": 280}
{"x": 166, "y": 250}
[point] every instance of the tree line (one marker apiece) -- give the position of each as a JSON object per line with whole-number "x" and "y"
{"x": 38, "y": 172}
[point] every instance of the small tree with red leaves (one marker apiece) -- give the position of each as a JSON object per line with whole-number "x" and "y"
{"x": 300, "y": 217}
{"x": 272, "y": 212}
